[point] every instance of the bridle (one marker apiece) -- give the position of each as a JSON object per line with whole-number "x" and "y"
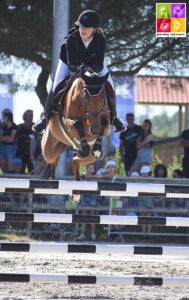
{"x": 84, "y": 92}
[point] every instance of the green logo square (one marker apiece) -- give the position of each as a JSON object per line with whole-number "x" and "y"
{"x": 163, "y": 10}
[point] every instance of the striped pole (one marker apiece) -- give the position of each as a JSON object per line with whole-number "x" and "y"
{"x": 92, "y": 219}
{"x": 101, "y": 280}
{"x": 63, "y": 248}
{"x": 119, "y": 189}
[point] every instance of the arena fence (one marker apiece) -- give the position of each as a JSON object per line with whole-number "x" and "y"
{"x": 103, "y": 189}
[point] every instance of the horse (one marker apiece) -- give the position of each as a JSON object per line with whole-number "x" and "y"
{"x": 82, "y": 121}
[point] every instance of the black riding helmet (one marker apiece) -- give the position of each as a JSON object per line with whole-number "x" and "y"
{"x": 88, "y": 18}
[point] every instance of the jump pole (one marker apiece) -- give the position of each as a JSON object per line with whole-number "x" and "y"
{"x": 99, "y": 280}
{"x": 92, "y": 219}
{"x": 63, "y": 248}
{"x": 106, "y": 188}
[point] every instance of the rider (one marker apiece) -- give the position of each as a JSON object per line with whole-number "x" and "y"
{"x": 83, "y": 50}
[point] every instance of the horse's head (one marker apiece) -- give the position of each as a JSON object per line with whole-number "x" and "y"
{"x": 95, "y": 103}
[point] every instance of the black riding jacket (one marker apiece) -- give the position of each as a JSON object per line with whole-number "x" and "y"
{"x": 74, "y": 53}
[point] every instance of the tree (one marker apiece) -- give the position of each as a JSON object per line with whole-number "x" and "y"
{"x": 163, "y": 125}
{"x": 129, "y": 27}
{"x": 26, "y": 33}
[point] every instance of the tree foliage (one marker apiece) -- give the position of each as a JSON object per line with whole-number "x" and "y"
{"x": 163, "y": 125}
{"x": 129, "y": 27}
{"x": 26, "y": 33}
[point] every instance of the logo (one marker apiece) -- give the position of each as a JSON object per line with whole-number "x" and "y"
{"x": 171, "y": 20}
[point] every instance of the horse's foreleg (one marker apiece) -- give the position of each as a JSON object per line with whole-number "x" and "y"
{"x": 84, "y": 152}
{"x": 53, "y": 169}
{"x": 77, "y": 162}
{"x": 97, "y": 147}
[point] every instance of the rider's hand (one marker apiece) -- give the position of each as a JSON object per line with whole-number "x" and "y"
{"x": 84, "y": 68}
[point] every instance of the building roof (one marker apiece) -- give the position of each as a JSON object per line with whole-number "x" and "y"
{"x": 162, "y": 90}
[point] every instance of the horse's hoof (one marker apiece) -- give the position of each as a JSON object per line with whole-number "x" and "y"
{"x": 98, "y": 154}
{"x": 75, "y": 198}
{"x": 82, "y": 154}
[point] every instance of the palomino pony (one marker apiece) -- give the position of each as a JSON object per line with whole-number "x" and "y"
{"x": 81, "y": 123}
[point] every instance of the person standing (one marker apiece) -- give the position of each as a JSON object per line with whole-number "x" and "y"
{"x": 184, "y": 142}
{"x": 144, "y": 145}
{"x": 128, "y": 138}
{"x": 26, "y": 142}
{"x": 8, "y": 134}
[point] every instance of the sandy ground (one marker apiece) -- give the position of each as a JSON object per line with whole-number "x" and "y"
{"x": 92, "y": 264}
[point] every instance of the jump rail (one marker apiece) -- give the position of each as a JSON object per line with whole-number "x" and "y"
{"x": 62, "y": 248}
{"x": 119, "y": 189}
{"x": 82, "y": 279}
{"x": 95, "y": 219}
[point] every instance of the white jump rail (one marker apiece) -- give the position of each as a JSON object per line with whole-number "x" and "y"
{"x": 99, "y": 280}
{"x": 64, "y": 248}
{"x": 92, "y": 219}
{"x": 119, "y": 189}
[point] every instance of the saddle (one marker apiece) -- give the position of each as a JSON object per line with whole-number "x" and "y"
{"x": 61, "y": 90}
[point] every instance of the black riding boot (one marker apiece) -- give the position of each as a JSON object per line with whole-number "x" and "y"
{"x": 41, "y": 125}
{"x": 116, "y": 122}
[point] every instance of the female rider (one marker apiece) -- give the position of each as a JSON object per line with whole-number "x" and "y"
{"x": 83, "y": 50}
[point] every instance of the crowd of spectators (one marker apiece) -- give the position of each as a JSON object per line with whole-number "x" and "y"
{"x": 17, "y": 143}
{"x": 136, "y": 144}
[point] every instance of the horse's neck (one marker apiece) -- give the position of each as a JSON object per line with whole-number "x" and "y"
{"x": 76, "y": 82}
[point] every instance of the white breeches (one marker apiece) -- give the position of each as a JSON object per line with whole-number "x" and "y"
{"x": 63, "y": 71}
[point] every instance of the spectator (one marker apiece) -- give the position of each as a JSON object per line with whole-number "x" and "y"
{"x": 144, "y": 144}
{"x": 110, "y": 167}
{"x": 135, "y": 174}
{"x": 145, "y": 171}
{"x": 26, "y": 142}
{"x": 88, "y": 201}
{"x": 160, "y": 171}
{"x": 177, "y": 173}
{"x": 8, "y": 134}
{"x": 108, "y": 172}
{"x": 184, "y": 142}
{"x": 128, "y": 138}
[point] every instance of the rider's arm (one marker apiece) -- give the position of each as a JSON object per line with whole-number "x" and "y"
{"x": 100, "y": 45}
{"x": 73, "y": 64}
